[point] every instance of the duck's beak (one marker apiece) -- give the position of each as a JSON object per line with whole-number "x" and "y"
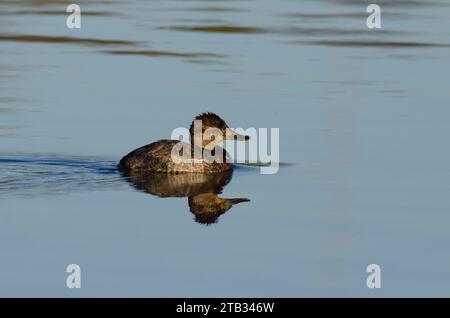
{"x": 235, "y": 136}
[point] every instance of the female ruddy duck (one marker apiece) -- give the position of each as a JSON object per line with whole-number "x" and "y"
{"x": 158, "y": 156}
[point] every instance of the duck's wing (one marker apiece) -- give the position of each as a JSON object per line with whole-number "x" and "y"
{"x": 151, "y": 155}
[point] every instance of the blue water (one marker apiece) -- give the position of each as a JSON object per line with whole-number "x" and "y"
{"x": 363, "y": 118}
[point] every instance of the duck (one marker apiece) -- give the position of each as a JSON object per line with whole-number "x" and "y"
{"x": 207, "y": 131}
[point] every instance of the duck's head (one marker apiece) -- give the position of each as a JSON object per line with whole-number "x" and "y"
{"x": 212, "y": 128}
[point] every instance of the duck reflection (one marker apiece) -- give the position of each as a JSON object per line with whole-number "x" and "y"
{"x": 201, "y": 190}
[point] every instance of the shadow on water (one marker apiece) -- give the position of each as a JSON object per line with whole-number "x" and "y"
{"x": 391, "y": 3}
{"x": 289, "y": 31}
{"x": 155, "y": 53}
{"x": 57, "y": 13}
{"x": 202, "y": 191}
{"x": 217, "y": 29}
{"x": 61, "y": 40}
{"x": 26, "y": 38}
{"x": 367, "y": 43}
{"x": 47, "y": 2}
{"x": 205, "y": 9}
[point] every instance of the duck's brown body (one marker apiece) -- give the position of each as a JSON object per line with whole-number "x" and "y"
{"x": 157, "y": 157}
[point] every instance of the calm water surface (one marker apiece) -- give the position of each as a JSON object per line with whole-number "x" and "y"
{"x": 364, "y": 125}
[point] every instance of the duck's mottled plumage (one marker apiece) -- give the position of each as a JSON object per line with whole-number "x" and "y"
{"x": 156, "y": 157}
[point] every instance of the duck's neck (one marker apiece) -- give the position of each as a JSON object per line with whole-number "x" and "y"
{"x": 199, "y": 142}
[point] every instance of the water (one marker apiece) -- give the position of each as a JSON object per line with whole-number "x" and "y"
{"x": 363, "y": 117}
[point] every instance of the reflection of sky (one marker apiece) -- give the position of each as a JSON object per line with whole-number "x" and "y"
{"x": 366, "y": 128}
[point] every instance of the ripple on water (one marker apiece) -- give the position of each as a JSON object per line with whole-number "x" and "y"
{"x": 30, "y": 38}
{"x": 30, "y": 175}
{"x": 217, "y": 29}
{"x": 155, "y": 53}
